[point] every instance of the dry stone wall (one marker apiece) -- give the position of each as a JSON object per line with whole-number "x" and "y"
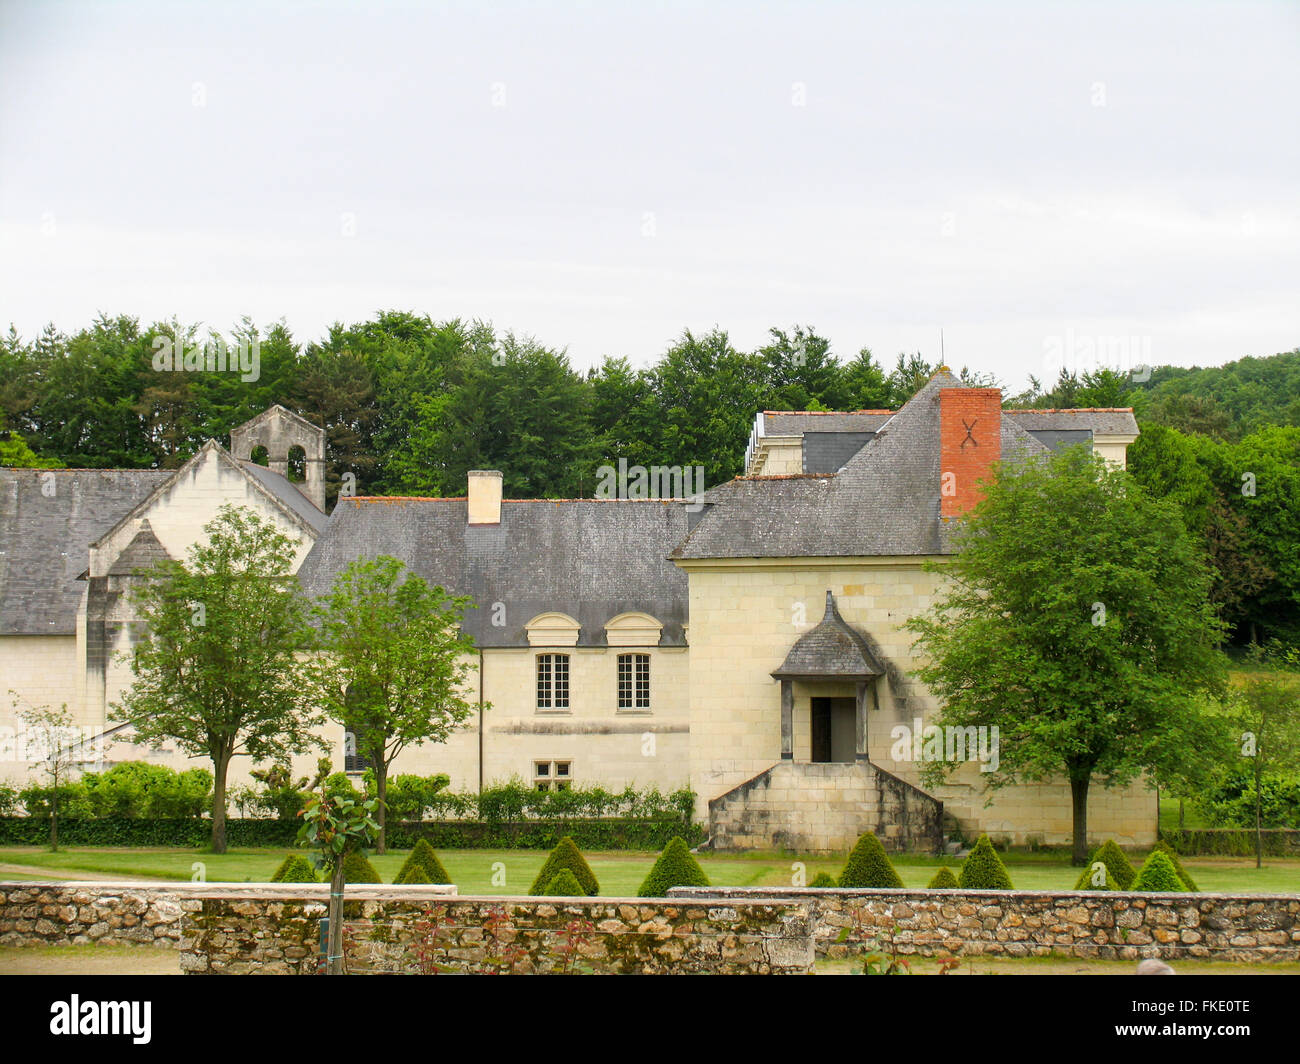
{"x": 1017, "y": 923}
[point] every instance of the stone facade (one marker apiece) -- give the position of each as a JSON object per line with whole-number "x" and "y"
{"x": 1018, "y": 923}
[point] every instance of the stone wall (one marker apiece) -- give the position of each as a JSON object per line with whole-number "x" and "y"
{"x": 1112, "y": 925}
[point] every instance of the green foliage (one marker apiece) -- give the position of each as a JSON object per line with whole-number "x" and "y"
{"x": 515, "y": 800}
{"x": 1118, "y": 866}
{"x": 565, "y": 855}
{"x": 1159, "y": 874}
{"x": 15, "y": 454}
{"x": 8, "y": 799}
{"x": 943, "y": 880}
{"x": 1181, "y": 872}
{"x": 824, "y": 879}
{"x": 1097, "y": 870}
{"x": 295, "y": 869}
{"x": 358, "y": 869}
{"x": 1230, "y": 801}
{"x": 983, "y": 869}
{"x": 1225, "y": 842}
{"x": 868, "y": 865}
{"x": 674, "y": 867}
{"x": 422, "y": 866}
{"x": 338, "y": 828}
{"x": 565, "y": 885}
{"x": 129, "y": 789}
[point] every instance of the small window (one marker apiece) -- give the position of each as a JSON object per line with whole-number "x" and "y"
{"x": 634, "y": 681}
{"x": 552, "y": 681}
{"x": 353, "y": 763}
{"x": 552, "y": 775}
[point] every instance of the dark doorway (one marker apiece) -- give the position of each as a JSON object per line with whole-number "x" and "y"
{"x": 834, "y": 729}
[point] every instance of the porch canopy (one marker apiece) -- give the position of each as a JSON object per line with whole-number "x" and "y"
{"x": 831, "y": 652}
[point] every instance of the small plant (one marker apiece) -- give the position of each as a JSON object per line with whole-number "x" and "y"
{"x": 576, "y": 934}
{"x": 427, "y": 947}
{"x": 943, "y": 880}
{"x": 675, "y": 867}
{"x": 499, "y": 933}
{"x": 422, "y": 866}
{"x": 565, "y": 855}
{"x": 868, "y": 866}
{"x": 824, "y": 879}
{"x": 948, "y": 964}
{"x": 295, "y": 869}
{"x": 565, "y": 885}
{"x": 983, "y": 869}
{"x": 1159, "y": 875}
{"x": 357, "y": 869}
{"x": 1169, "y": 852}
{"x": 1117, "y": 864}
{"x": 1097, "y": 876}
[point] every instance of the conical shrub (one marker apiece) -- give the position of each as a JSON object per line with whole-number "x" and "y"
{"x": 675, "y": 867}
{"x": 983, "y": 869}
{"x": 1095, "y": 870}
{"x": 1116, "y": 862}
{"x": 422, "y": 866}
{"x": 295, "y": 868}
{"x": 944, "y": 880}
{"x": 357, "y": 869}
{"x": 566, "y": 855}
{"x": 565, "y": 885}
{"x": 1172, "y": 854}
{"x": 868, "y": 866}
{"x": 1158, "y": 874}
{"x": 824, "y": 879}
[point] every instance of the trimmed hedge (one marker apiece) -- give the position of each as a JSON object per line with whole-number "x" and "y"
{"x": 943, "y": 880}
{"x": 566, "y": 855}
{"x": 983, "y": 869}
{"x": 607, "y": 834}
{"x": 422, "y": 866}
{"x": 1086, "y": 877}
{"x": 295, "y": 868}
{"x": 565, "y": 885}
{"x": 868, "y": 866}
{"x": 675, "y": 867}
{"x": 1116, "y": 862}
{"x": 1186, "y": 880}
{"x": 824, "y": 879}
{"x": 358, "y": 869}
{"x": 1212, "y": 842}
{"x": 1159, "y": 875}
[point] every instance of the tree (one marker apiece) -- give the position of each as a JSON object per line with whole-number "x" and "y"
{"x": 51, "y": 733}
{"x": 1266, "y": 717}
{"x": 216, "y": 667}
{"x": 393, "y": 663}
{"x": 1076, "y": 620}
{"x": 338, "y": 828}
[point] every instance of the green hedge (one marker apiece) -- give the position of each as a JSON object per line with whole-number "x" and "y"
{"x": 604, "y": 834}
{"x": 1232, "y": 842}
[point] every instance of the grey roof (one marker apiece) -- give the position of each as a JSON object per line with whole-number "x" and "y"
{"x": 797, "y": 422}
{"x": 828, "y": 452}
{"x": 45, "y": 540}
{"x": 1101, "y": 421}
{"x": 885, "y": 501}
{"x": 287, "y": 492}
{"x": 590, "y": 559}
{"x": 832, "y": 649}
{"x": 143, "y": 552}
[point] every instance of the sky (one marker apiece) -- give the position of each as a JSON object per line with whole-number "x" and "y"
{"x": 1041, "y": 184}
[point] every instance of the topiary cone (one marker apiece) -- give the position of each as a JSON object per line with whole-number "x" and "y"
{"x": 565, "y": 885}
{"x": 868, "y": 865}
{"x": 943, "y": 880}
{"x": 565, "y": 855}
{"x": 983, "y": 869}
{"x": 1116, "y": 862}
{"x": 674, "y": 867}
{"x": 1159, "y": 875}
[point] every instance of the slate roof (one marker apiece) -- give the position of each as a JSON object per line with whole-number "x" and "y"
{"x": 832, "y": 649}
{"x": 143, "y": 552}
{"x": 287, "y": 492}
{"x": 45, "y": 542}
{"x": 590, "y": 559}
{"x": 797, "y": 422}
{"x": 885, "y": 501}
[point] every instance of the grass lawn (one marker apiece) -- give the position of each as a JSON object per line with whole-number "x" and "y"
{"x": 620, "y": 873}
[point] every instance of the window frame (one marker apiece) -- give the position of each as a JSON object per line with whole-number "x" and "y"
{"x": 557, "y": 688}
{"x": 637, "y": 665}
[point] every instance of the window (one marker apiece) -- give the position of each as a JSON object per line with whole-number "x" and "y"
{"x": 353, "y": 763}
{"x": 634, "y": 681}
{"x": 552, "y": 681}
{"x": 552, "y": 775}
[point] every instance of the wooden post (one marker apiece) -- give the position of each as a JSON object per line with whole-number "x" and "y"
{"x": 787, "y": 720}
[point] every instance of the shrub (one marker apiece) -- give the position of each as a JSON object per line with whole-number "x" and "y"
{"x": 824, "y": 879}
{"x": 1117, "y": 865}
{"x": 1088, "y": 874}
{"x": 565, "y": 855}
{"x": 422, "y": 866}
{"x": 410, "y": 795}
{"x": 1187, "y": 880}
{"x": 674, "y": 867}
{"x": 983, "y": 869}
{"x": 868, "y": 866}
{"x": 1158, "y": 874}
{"x": 565, "y": 885}
{"x": 8, "y": 799}
{"x": 357, "y": 869}
{"x": 943, "y": 880}
{"x": 295, "y": 869}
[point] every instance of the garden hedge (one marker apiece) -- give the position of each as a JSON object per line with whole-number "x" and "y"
{"x": 943, "y": 880}
{"x": 1116, "y": 862}
{"x": 295, "y": 868}
{"x": 868, "y": 866}
{"x": 566, "y": 855}
{"x": 1159, "y": 875}
{"x": 675, "y": 867}
{"x": 422, "y": 866}
{"x": 565, "y": 885}
{"x": 1228, "y": 842}
{"x": 983, "y": 869}
{"x": 824, "y": 879}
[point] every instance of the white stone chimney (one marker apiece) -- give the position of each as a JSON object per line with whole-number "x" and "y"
{"x": 484, "y": 497}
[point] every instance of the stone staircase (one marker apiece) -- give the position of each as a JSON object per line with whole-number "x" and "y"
{"x": 822, "y": 808}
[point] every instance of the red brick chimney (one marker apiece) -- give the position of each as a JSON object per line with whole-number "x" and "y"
{"x": 970, "y": 441}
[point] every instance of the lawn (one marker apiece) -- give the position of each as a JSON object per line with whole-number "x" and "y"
{"x": 478, "y": 872}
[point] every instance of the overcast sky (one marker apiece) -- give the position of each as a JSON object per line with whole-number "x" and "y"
{"x": 1025, "y": 177}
